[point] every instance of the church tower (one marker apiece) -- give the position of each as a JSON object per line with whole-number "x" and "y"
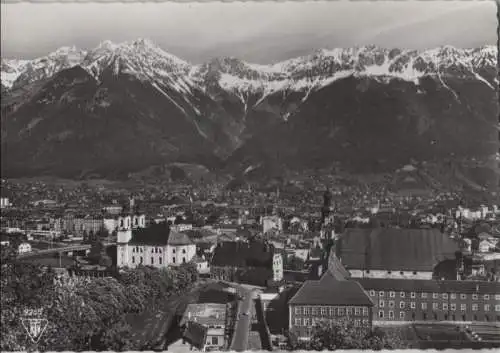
{"x": 327, "y": 215}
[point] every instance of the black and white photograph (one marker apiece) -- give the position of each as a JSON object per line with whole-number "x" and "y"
{"x": 249, "y": 176}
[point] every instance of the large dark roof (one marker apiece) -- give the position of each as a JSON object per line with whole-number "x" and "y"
{"x": 240, "y": 254}
{"x": 331, "y": 291}
{"x": 429, "y": 286}
{"x": 395, "y": 249}
{"x": 195, "y": 334}
{"x": 159, "y": 235}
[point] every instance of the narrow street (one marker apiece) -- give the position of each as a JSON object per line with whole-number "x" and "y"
{"x": 243, "y": 321}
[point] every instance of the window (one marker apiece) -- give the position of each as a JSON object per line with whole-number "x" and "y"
{"x": 445, "y": 306}
{"x": 183, "y": 260}
{"x": 435, "y": 306}
{"x": 453, "y": 307}
{"x": 435, "y": 295}
{"x": 401, "y": 273}
{"x": 306, "y": 322}
{"x": 365, "y": 311}
{"x": 173, "y": 260}
{"x": 401, "y": 314}
{"x": 357, "y": 323}
{"x": 133, "y": 259}
{"x": 365, "y": 322}
{"x": 381, "y": 314}
{"x": 297, "y": 310}
{"x": 349, "y": 311}
{"x": 173, "y": 251}
{"x": 463, "y": 296}
{"x": 392, "y": 294}
{"x": 424, "y": 295}
{"x": 497, "y": 296}
{"x": 401, "y": 305}
{"x": 413, "y": 305}
{"x": 474, "y": 307}
{"x": 215, "y": 340}
{"x": 133, "y": 250}
{"x": 424, "y": 306}
{"x": 414, "y": 272}
{"x": 314, "y": 311}
{"x": 341, "y": 311}
{"x": 463, "y": 307}
{"x": 372, "y": 293}
{"x": 332, "y": 311}
{"x": 306, "y": 310}
{"x": 323, "y": 311}
{"x": 381, "y": 303}
{"x": 391, "y": 303}
{"x": 453, "y": 296}
{"x": 445, "y": 295}
{"x": 159, "y": 260}
{"x": 381, "y": 293}
{"x": 402, "y": 294}
{"x": 413, "y": 295}
{"x": 183, "y": 251}
{"x": 141, "y": 260}
{"x": 391, "y": 314}
{"x": 152, "y": 260}
{"x": 474, "y": 296}
{"x": 486, "y": 297}
{"x": 497, "y": 308}
{"x": 357, "y": 310}
{"x": 486, "y": 307}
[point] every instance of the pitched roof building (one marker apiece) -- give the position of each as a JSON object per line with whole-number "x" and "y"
{"x": 394, "y": 253}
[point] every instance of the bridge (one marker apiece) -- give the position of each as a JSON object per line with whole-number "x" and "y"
{"x": 59, "y": 250}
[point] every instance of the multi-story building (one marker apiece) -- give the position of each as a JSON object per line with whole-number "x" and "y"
{"x": 397, "y": 253}
{"x": 255, "y": 262}
{"x": 399, "y": 300}
{"x": 157, "y": 246}
{"x": 330, "y": 299}
{"x": 204, "y": 326}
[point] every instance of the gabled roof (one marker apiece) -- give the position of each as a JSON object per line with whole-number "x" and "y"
{"x": 331, "y": 291}
{"x": 394, "y": 249}
{"x": 178, "y": 239}
{"x": 240, "y": 254}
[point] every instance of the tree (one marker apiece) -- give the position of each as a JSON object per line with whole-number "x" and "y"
{"x": 344, "y": 335}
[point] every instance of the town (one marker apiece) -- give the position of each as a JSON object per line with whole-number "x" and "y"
{"x": 270, "y": 267}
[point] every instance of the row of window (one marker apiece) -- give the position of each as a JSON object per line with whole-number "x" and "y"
{"x": 154, "y": 250}
{"x": 141, "y": 260}
{"x": 435, "y": 306}
{"x": 312, "y": 322}
{"x": 403, "y": 315}
{"x": 424, "y": 295}
{"x": 332, "y": 311}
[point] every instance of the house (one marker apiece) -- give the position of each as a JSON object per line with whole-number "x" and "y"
{"x": 5, "y": 202}
{"x": 24, "y": 248}
{"x": 395, "y": 253}
{"x": 255, "y": 262}
{"x": 272, "y": 223}
{"x": 157, "y": 246}
{"x": 204, "y": 326}
{"x": 331, "y": 298}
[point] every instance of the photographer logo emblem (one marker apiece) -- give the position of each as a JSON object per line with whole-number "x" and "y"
{"x": 34, "y": 323}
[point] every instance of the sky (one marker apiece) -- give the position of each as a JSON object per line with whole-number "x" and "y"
{"x": 256, "y": 32}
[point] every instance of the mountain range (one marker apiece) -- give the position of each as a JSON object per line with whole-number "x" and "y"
{"x": 120, "y": 108}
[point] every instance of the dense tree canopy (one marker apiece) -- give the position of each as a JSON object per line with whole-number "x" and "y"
{"x": 344, "y": 335}
{"x": 82, "y": 313}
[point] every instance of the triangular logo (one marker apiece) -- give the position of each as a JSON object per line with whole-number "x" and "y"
{"x": 34, "y": 328}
